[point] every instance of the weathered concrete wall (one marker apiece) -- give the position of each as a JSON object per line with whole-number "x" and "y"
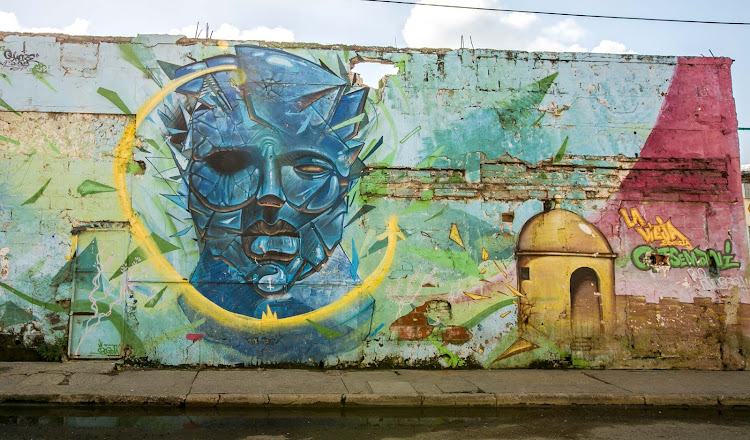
{"x": 482, "y": 208}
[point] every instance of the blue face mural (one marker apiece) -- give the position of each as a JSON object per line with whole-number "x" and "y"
{"x": 270, "y": 160}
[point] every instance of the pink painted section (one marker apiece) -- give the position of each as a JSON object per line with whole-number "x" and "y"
{"x": 697, "y": 121}
{"x": 194, "y": 336}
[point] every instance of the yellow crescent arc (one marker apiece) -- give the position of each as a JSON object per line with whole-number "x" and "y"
{"x": 190, "y": 295}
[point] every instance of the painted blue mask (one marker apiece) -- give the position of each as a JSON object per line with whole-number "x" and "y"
{"x": 270, "y": 160}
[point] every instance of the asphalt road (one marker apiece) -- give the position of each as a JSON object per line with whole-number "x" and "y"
{"x": 143, "y": 423}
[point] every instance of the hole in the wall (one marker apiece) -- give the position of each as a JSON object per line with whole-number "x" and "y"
{"x": 508, "y": 217}
{"x": 373, "y": 73}
{"x": 657, "y": 262}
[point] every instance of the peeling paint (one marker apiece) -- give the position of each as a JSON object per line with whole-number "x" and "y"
{"x": 482, "y": 208}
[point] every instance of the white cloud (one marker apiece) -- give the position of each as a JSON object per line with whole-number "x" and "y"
{"x": 443, "y": 27}
{"x": 609, "y": 46}
{"x": 545, "y": 44}
{"x": 518, "y": 20}
{"x": 226, "y": 31}
{"x": 567, "y": 31}
{"x": 9, "y": 23}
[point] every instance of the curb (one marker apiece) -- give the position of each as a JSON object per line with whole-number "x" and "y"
{"x": 320, "y": 400}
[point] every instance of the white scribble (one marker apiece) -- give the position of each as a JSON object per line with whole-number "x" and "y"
{"x": 107, "y": 291}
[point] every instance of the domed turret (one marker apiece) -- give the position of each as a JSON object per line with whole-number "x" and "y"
{"x": 566, "y": 278}
{"x": 560, "y": 231}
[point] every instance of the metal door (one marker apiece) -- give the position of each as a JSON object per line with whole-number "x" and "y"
{"x": 97, "y": 308}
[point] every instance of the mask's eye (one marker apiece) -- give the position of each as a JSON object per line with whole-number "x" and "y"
{"x": 229, "y": 162}
{"x": 311, "y": 167}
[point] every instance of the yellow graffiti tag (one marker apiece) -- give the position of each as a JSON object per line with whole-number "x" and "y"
{"x": 189, "y": 294}
{"x": 664, "y": 231}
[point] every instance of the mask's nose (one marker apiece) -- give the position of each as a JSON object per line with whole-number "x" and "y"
{"x": 270, "y": 194}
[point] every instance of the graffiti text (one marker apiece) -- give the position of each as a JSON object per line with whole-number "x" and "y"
{"x": 717, "y": 283}
{"x": 18, "y": 60}
{"x": 679, "y": 258}
{"x": 664, "y": 231}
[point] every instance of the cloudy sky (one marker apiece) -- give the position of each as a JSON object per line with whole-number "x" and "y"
{"x": 366, "y": 23}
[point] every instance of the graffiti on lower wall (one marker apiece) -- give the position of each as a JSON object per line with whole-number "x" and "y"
{"x": 674, "y": 249}
{"x": 237, "y": 203}
{"x": 644, "y": 257}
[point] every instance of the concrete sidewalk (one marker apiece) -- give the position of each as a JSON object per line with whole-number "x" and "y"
{"x": 98, "y": 382}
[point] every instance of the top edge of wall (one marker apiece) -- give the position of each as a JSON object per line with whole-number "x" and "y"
{"x": 150, "y": 40}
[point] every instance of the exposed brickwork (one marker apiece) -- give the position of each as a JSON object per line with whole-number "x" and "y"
{"x": 673, "y": 331}
{"x": 578, "y": 177}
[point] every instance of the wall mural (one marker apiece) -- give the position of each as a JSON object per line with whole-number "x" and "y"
{"x": 270, "y": 161}
{"x": 227, "y": 203}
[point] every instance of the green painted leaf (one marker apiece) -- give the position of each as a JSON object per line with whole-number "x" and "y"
{"x": 397, "y": 82}
{"x": 430, "y": 160}
{"x": 13, "y": 315}
{"x": 481, "y": 316}
{"x": 375, "y": 143}
{"x": 52, "y": 307}
{"x": 514, "y": 110}
{"x": 37, "y": 194}
{"x": 325, "y": 331}
{"x": 435, "y": 215}
{"x": 384, "y": 110}
{"x": 136, "y": 257}
{"x": 139, "y": 255}
{"x": 416, "y": 130}
{"x": 129, "y": 55}
{"x": 44, "y": 81}
{"x": 163, "y": 245}
{"x": 12, "y": 141}
{"x": 135, "y": 168}
{"x": 6, "y": 78}
{"x": 90, "y": 187}
{"x": 128, "y": 52}
{"x": 538, "y": 120}
{"x": 154, "y": 144}
{"x": 50, "y": 144}
{"x": 347, "y": 123}
{"x": 9, "y": 108}
{"x": 153, "y": 301}
{"x": 64, "y": 275}
{"x": 114, "y": 98}
{"x": 561, "y": 151}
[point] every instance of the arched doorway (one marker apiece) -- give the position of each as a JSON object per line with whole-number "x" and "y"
{"x": 585, "y": 306}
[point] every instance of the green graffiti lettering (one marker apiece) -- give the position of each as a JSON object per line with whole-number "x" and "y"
{"x": 690, "y": 258}
{"x": 674, "y": 257}
{"x": 638, "y": 254}
{"x": 728, "y": 260}
{"x": 701, "y": 256}
{"x": 679, "y": 258}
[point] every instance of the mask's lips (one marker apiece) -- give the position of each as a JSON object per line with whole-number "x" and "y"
{"x": 276, "y": 242}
